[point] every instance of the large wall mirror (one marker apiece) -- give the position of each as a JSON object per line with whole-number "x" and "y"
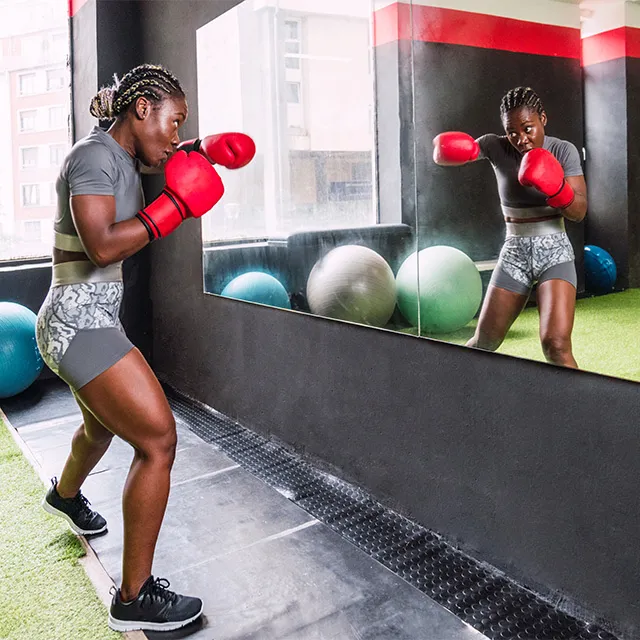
{"x": 343, "y": 212}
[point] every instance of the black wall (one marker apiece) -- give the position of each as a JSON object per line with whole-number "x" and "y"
{"x": 531, "y": 466}
{"x": 611, "y": 129}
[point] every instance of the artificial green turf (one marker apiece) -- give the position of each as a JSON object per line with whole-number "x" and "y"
{"x": 605, "y": 335}
{"x": 44, "y": 592}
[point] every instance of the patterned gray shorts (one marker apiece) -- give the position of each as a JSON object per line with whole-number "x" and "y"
{"x": 525, "y": 260}
{"x": 78, "y": 330}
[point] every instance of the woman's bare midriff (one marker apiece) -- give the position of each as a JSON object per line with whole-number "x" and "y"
{"x": 60, "y": 256}
{"x": 539, "y": 219}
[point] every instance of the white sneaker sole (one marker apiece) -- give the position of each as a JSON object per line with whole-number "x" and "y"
{"x": 61, "y": 514}
{"x": 135, "y": 625}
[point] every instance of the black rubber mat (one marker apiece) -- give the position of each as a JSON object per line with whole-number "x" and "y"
{"x": 484, "y": 598}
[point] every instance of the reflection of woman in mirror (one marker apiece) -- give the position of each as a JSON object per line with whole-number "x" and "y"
{"x": 101, "y": 220}
{"x": 540, "y": 182}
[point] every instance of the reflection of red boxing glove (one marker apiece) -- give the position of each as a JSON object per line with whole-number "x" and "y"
{"x": 541, "y": 170}
{"x": 453, "y": 148}
{"x": 192, "y": 187}
{"x": 231, "y": 150}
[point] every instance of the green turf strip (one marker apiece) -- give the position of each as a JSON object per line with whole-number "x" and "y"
{"x": 44, "y": 592}
{"x": 605, "y": 335}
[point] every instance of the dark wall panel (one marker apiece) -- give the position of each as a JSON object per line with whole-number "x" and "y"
{"x": 608, "y": 177}
{"x": 633, "y": 172}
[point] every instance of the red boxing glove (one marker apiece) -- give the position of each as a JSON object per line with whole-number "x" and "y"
{"x": 541, "y": 170}
{"x": 453, "y": 148}
{"x": 231, "y": 150}
{"x": 192, "y": 187}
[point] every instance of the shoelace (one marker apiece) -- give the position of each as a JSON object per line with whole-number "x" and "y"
{"x": 83, "y": 504}
{"x": 158, "y": 590}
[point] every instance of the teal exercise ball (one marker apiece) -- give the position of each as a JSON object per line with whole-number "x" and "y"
{"x": 352, "y": 283}
{"x": 450, "y": 289}
{"x": 256, "y": 286}
{"x": 20, "y": 360}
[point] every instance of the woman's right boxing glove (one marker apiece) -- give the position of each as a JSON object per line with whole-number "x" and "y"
{"x": 453, "y": 148}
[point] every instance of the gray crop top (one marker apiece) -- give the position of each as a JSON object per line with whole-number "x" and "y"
{"x": 96, "y": 165}
{"x": 506, "y": 160}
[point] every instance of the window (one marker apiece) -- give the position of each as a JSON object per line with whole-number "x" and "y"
{"x": 291, "y": 51}
{"x": 56, "y": 117}
{"x": 30, "y": 195}
{"x": 28, "y": 120}
{"x": 35, "y": 45}
{"x": 29, "y": 157}
{"x": 53, "y": 196}
{"x": 26, "y": 83}
{"x": 292, "y": 29}
{"x": 292, "y": 44}
{"x": 293, "y": 92}
{"x": 32, "y": 230}
{"x": 55, "y": 79}
{"x": 31, "y": 46}
{"x": 314, "y": 166}
{"x": 56, "y": 154}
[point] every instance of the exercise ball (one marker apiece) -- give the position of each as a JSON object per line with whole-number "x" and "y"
{"x": 257, "y": 286}
{"x": 20, "y": 360}
{"x": 352, "y": 283}
{"x": 450, "y": 289}
{"x": 600, "y": 271}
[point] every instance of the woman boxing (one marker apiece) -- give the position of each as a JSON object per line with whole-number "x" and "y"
{"x": 101, "y": 220}
{"x": 540, "y": 183}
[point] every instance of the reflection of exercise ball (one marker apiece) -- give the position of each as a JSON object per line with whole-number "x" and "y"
{"x": 20, "y": 360}
{"x": 600, "y": 271}
{"x": 352, "y": 283}
{"x": 256, "y": 286}
{"x": 450, "y": 289}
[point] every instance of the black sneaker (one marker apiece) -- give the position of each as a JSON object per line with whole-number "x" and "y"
{"x": 76, "y": 511}
{"x": 155, "y": 609}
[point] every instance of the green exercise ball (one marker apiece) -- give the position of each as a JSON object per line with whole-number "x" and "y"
{"x": 450, "y": 289}
{"x": 352, "y": 283}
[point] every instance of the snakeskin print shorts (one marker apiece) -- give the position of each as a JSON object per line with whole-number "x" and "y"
{"x": 525, "y": 260}
{"x": 78, "y": 330}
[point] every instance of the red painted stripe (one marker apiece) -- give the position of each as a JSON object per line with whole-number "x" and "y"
{"x": 450, "y": 26}
{"x": 74, "y": 6}
{"x": 388, "y": 23}
{"x": 611, "y": 45}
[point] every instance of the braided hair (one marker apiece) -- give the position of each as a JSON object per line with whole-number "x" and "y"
{"x": 521, "y": 97}
{"x": 147, "y": 80}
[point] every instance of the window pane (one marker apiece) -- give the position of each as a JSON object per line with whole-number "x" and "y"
{"x": 291, "y": 48}
{"x": 56, "y": 154}
{"x": 56, "y": 117}
{"x": 32, "y": 230}
{"x": 27, "y": 83}
{"x": 55, "y": 79}
{"x": 28, "y": 120}
{"x": 293, "y": 92}
{"x": 30, "y": 195}
{"x": 35, "y": 44}
{"x": 314, "y": 164}
{"x": 29, "y": 157}
{"x": 292, "y": 30}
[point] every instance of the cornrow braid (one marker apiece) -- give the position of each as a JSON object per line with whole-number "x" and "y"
{"x": 147, "y": 80}
{"x": 521, "y": 97}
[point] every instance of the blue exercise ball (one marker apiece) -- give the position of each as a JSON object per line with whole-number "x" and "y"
{"x": 20, "y": 360}
{"x": 257, "y": 286}
{"x": 600, "y": 271}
